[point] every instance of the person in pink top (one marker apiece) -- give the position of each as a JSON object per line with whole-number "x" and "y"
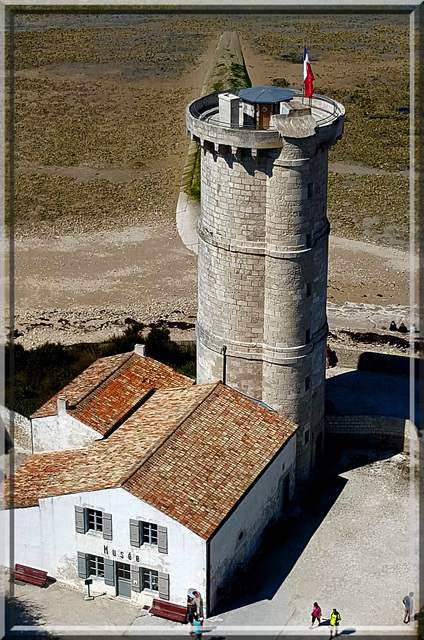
{"x": 316, "y": 614}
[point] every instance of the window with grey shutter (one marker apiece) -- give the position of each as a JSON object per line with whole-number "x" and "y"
{"x": 135, "y": 537}
{"x": 107, "y": 526}
{"x": 83, "y": 568}
{"x": 109, "y": 572}
{"x": 136, "y": 579}
{"x": 162, "y": 539}
{"x": 80, "y": 519}
{"x": 163, "y": 583}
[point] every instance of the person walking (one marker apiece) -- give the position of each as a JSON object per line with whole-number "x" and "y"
{"x": 407, "y": 603}
{"x": 334, "y": 622}
{"x": 191, "y": 609}
{"x": 195, "y": 596}
{"x": 316, "y": 613}
{"x": 196, "y": 628}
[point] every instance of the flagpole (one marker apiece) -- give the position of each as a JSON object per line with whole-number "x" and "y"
{"x": 303, "y": 74}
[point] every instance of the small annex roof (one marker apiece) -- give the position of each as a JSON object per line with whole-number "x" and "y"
{"x": 190, "y": 452}
{"x": 265, "y": 95}
{"x": 110, "y": 388}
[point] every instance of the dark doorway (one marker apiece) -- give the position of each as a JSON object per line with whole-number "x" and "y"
{"x": 318, "y": 450}
{"x": 285, "y": 492}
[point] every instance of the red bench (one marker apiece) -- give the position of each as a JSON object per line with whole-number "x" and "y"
{"x": 169, "y": 610}
{"x": 28, "y": 574}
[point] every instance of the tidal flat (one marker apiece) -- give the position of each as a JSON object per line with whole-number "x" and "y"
{"x": 108, "y": 92}
{"x": 100, "y": 145}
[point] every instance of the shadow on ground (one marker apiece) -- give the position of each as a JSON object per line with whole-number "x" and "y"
{"x": 380, "y": 386}
{"x": 368, "y": 393}
{"x": 22, "y": 614}
{"x": 285, "y": 542}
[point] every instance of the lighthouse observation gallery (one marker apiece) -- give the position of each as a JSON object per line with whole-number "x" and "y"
{"x": 263, "y": 250}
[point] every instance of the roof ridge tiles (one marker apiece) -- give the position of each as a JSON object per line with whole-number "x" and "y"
{"x": 113, "y": 375}
{"x": 49, "y": 407}
{"x": 259, "y": 441}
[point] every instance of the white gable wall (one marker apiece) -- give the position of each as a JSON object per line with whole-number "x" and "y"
{"x": 262, "y": 505}
{"x": 26, "y": 545}
{"x": 46, "y": 538}
{"x": 59, "y": 432}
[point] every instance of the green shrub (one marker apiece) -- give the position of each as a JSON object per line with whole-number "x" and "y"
{"x": 194, "y": 189}
{"x": 33, "y": 376}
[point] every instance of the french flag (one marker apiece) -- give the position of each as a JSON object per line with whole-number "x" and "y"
{"x": 308, "y": 76}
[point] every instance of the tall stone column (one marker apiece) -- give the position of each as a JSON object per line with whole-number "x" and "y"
{"x": 295, "y": 324}
{"x": 263, "y": 251}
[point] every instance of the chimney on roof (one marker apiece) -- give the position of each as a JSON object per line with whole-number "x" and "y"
{"x": 140, "y": 349}
{"x": 62, "y": 403}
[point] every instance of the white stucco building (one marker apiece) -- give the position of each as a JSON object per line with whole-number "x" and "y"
{"x": 97, "y": 401}
{"x": 176, "y": 495}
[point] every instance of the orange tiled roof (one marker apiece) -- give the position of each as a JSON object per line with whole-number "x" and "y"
{"x": 204, "y": 467}
{"x": 110, "y": 388}
{"x": 104, "y": 463}
{"x": 190, "y": 452}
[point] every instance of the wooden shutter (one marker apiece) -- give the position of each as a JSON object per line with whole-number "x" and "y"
{"x": 135, "y": 538}
{"x": 162, "y": 539}
{"x": 107, "y": 526}
{"x": 136, "y": 579}
{"x": 109, "y": 572}
{"x": 80, "y": 519}
{"x": 83, "y": 569}
{"x": 163, "y": 583}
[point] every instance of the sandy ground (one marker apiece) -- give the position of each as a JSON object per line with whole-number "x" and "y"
{"x": 83, "y": 288}
{"x": 75, "y": 281}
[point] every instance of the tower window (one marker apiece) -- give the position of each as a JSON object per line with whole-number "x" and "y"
{"x": 310, "y": 189}
{"x": 306, "y": 437}
{"x": 307, "y": 383}
{"x": 307, "y": 335}
{"x": 308, "y": 240}
{"x": 308, "y": 289}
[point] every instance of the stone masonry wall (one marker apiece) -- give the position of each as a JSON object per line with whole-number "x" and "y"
{"x": 363, "y": 429}
{"x": 262, "y": 265}
{"x": 20, "y": 429}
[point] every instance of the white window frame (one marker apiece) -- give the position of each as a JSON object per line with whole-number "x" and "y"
{"x": 151, "y": 573}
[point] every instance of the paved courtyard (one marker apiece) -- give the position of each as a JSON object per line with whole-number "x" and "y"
{"x": 347, "y": 546}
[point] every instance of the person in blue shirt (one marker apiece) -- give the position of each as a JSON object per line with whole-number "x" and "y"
{"x": 196, "y": 630}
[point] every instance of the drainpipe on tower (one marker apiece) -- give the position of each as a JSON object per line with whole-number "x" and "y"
{"x": 224, "y": 364}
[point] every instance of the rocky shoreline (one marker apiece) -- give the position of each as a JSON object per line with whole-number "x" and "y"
{"x": 97, "y": 324}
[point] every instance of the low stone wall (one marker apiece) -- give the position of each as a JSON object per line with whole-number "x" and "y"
{"x": 368, "y": 430}
{"x": 363, "y": 358}
{"x": 20, "y": 431}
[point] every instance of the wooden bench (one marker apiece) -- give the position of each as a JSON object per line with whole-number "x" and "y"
{"x": 169, "y": 610}
{"x": 28, "y": 574}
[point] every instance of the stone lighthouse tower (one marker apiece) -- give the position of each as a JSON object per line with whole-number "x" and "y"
{"x": 263, "y": 250}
